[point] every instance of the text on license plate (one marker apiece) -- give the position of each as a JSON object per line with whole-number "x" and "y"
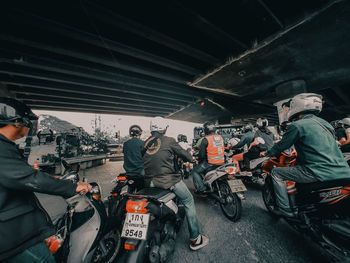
{"x": 237, "y": 186}
{"x": 135, "y": 226}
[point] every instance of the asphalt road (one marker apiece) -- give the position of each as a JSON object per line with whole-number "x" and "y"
{"x": 256, "y": 237}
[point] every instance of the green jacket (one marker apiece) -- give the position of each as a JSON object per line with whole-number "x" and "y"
{"x": 317, "y": 150}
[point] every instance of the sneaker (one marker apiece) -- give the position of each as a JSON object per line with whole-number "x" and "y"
{"x": 200, "y": 242}
{"x": 282, "y": 212}
{"x": 241, "y": 196}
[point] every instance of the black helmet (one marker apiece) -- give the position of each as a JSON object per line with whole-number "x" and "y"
{"x": 284, "y": 126}
{"x": 209, "y": 127}
{"x": 135, "y": 130}
{"x": 12, "y": 110}
{"x": 182, "y": 138}
{"x": 248, "y": 127}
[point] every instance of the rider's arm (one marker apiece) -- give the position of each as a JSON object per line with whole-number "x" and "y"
{"x": 180, "y": 152}
{"x": 347, "y": 140}
{"x": 289, "y": 138}
{"x": 244, "y": 140}
{"x": 16, "y": 174}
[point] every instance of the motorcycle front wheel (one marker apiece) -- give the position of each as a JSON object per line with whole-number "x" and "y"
{"x": 108, "y": 247}
{"x": 231, "y": 205}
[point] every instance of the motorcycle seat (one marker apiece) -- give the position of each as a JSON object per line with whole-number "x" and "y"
{"x": 162, "y": 195}
{"x": 309, "y": 187}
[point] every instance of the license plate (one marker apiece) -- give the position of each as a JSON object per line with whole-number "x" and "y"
{"x": 237, "y": 186}
{"x": 135, "y": 226}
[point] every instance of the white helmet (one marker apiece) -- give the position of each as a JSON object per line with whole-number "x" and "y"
{"x": 345, "y": 121}
{"x": 262, "y": 122}
{"x": 305, "y": 102}
{"x": 158, "y": 124}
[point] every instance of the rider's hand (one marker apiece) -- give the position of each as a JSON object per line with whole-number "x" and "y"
{"x": 262, "y": 154}
{"x": 83, "y": 188}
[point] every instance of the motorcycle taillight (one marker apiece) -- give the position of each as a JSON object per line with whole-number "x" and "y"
{"x": 138, "y": 206}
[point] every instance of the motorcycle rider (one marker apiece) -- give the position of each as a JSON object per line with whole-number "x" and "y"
{"x": 319, "y": 158}
{"x": 246, "y": 140}
{"x": 198, "y": 144}
{"x": 24, "y": 224}
{"x": 159, "y": 168}
{"x": 211, "y": 154}
{"x": 133, "y": 152}
{"x": 182, "y": 140}
{"x": 345, "y": 141}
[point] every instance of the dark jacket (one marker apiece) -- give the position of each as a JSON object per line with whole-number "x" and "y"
{"x": 317, "y": 149}
{"x": 159, "y": 161}
{"x": 133, "y": 162}
{"x": 23, "y": 221}
{"x": 246, "y": 139}
{"x": 268, "y": 138}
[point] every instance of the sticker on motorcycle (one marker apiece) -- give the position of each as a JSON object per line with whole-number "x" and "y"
{"x": 136, "y": 226}
{"x": 237, "y": 186}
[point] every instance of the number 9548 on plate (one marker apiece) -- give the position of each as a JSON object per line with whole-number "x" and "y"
{"x": 135, "y": 226}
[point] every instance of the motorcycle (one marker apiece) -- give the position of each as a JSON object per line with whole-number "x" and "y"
{"x": 84, "y": 233}
{"x": 224, "y": 187}
{"x": 251, "y": 172}
{"x": 152, "y": 219}
{"x": 321, "y": 210}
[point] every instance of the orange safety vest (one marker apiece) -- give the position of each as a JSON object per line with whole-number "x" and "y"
{"x": 215, "y": 149}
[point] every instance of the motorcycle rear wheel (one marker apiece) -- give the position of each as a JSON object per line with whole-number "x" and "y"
{"x": 232, "y": 206}
{"x": 112, "y": 242}
{"x": 269, "y": 195}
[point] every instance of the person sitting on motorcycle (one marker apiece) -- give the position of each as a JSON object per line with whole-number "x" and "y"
{"x": 258, "y": 145}
{"x": 246, "y": 140}
{"x": 345, "y": 141}
{"x": 182, "y": 140}
{"x": 24, "y": 224}
{"x": 160, "y": 171}
{"x": 319, "y": 158}
{"x": 211, "y": 154}
{"x": 198, "y": 144}
{"x": 133, "y": 157}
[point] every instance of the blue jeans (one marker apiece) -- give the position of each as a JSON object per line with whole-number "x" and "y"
{"x": 38, "y": 253}
{"x": 281, "y": 174}
{"x": 186, "y": 198}
{"x": 199, "y": 172}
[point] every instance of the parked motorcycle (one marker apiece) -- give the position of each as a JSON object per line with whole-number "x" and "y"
{"x": 153, "y": 218}
{"x": 321, "y": 210}
{"x": 224, "y": 187}
{"x": 84, "y": 233}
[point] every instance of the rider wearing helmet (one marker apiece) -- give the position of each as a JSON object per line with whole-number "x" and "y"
{"x": 198, "y": 144}
{"x": 159, "y": 167}
{"x": 345, "y": 141}
{"x": 246, "y": 140}
{"x": 133, "y": 152}
{"x": 211, "y": 154}
{"x": 319, "y": 158}
{"x": 182, "y": 140}
{"x": 24, "y": 224}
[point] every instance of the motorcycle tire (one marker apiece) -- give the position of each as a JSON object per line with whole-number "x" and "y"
{"x": 112, "y": 242}
{"x": 268, "y": 195}
{"x": 232, "y": 206}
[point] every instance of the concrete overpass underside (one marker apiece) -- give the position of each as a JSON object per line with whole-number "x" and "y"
{"x": 186, "y": 60}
